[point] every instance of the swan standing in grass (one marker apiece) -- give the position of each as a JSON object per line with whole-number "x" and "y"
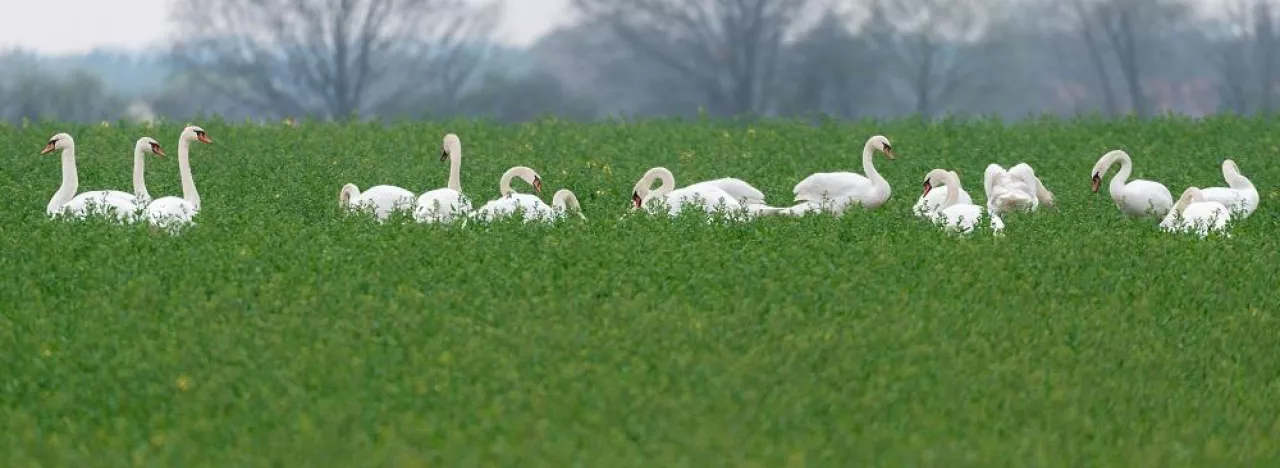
{"x": 1136, "y": 198}
{"x": 951, "y": 214}
{"x": 509, "y": 200}
{"x": 1239, "y": 195}
{"x": 705, "y": 196}
{"x": 932, "y": 199}
{"x": 836, "y": 191}
{"x": 1195, "y": 213}
{"x": 445, "y": 204}
{"x": 125, "y": 205}
{"x": 1015, "y": 189}
{"x": 172, "y": 212}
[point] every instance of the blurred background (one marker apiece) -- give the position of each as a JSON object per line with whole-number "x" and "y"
{"x": 513, "y": 60}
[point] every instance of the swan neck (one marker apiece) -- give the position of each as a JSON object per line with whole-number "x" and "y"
{"x": 70, "y": 180}
{"x": 868, "y": 166}
{"x": 184, "y": 170}
{"x": 504, "y": 184}
{"x": 953, "y": 190}
{"x": 139, "y": 173}
{"x": 1121, "y": 177}
{"x": 455, "y": 168}
{"x": 1236, "y": 180}
{"x": 668, "y": 183}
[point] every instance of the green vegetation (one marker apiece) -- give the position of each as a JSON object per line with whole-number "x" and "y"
{"x": 278, "y": 332}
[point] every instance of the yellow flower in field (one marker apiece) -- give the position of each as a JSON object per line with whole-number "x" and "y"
{"x": 724, "y": 134}
{"x": 751, "y": 132}
{"x": 686, "y": 155}
{"x": 607, "y": 170}
{"x": 105, "y": 124}
{"x": 45, "y": 351}
{"x": 183, "y": 383}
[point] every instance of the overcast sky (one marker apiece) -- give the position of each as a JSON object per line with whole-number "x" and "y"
{"x": 70, "y": 26}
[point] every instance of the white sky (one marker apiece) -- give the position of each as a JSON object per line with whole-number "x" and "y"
{"x": 82, "y": 25}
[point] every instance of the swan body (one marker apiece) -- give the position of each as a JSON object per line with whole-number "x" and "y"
{"x": 1136, "y": 198}
{"x": 509, "y": 200}
{"x": 704, "y": 196}
{"x": 751, "y": 198}
{"x": 1240, "y": 196}
{"x": 173, "y": 212}
{"x": 443, "y": 205}
{"x": 124, "y": 205}
{"x": 1195, "y": 213}
{"x": 951, "y": 214}
{"x": 562, "y": 203}
{"x": 1015, "y": 189}
{"x": 382, "y": 199}
{"x": 834, "y": 192}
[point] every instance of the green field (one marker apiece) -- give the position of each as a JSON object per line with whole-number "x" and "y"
{"x": 279, "y": 332}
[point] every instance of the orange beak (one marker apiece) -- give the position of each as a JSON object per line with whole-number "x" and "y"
{"x": 47, "y": 148}
{"x": 157, "y": 150}
{"x": 204, "y": 138}
{"x": 888, "y": 153}
{"x": 537, "y": 185}
{"x": 1097, "y": 182}
{"x": 635, "y": 198}
{"x": 927, "y": 188}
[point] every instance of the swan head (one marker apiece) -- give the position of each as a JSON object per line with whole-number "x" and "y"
{"x": 194, "y": 133}
{"x": 58, "y": 142}
{"x": 1103, "y": 164}
{"x": 348, "y": 192}
{"x": 1230, "y": 166}
{"x": 450, "y": 141}
{"x": 934, "y": 178}
{"x": 150, "y": 145}
{"x": 881, "y": 143}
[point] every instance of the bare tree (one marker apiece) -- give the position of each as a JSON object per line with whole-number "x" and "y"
{"x": 727, "y": 49}
{"x": 941, "y": 50}
{"x": 330, "y": 57}
{"x": 1246, "y": 49}
{"x": 1131, "y": 34}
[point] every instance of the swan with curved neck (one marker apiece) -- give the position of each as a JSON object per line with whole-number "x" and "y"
{"x": 932, "y": 200}
{"x": 1194, "y": 213}
{"x": 834, "y": 192}
{"x": 445, "y": 204}
{"x": 509, "y": 200}
{"x": 951, "y": 214}
{"x": 707, "y": 197}
{"x": 565, "y": 201}
{"x": 70, "y": 179}
{"x": 125, "y": 205}
{"x": 1135, "y": 198}
{"x": 173, "y": 211}
{"x": 1239, "y": 195}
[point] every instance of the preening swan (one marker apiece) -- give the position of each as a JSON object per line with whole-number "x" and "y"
{"x": 509, "y": 200}
{"x": 836, "y": 191}
{"x": 1239, "y": 195}
{"x": 1015, "y": 189}
{"x": 704, "y": 196}
{"x": 173, "y": 212}
{"x": 1136, "y": 198}
{"x": 126, "y": 206}
{"x": 931, "y": 200}
{"x": 959, "y": 217}
{"x": 1195, "y": 213}
{"x": 445, "y": 204}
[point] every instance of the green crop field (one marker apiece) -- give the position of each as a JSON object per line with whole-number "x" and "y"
{"x": 279, "y": 332}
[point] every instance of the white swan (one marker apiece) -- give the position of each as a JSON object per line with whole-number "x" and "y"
{"x": 444, "y": 204}
{"x": 563, "y": 202}
{"x": 173, "y": 212}
{"x": 1239, "y": 195}
{"x": 126, "y": 206}
{"x": 706, "y": 197}
{"x": 959, "y": 217}
{"x": 1195, "y": 213}
{"x": 509, "y": 200}
{"x": 1015, "y": 189}
{"x": 1136, "y": 198}
{"x": 70, "y": 180}
{"x": 836, "y": 191}
{"x": 929, "y": 202}
{"x": 747, "y": 195}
